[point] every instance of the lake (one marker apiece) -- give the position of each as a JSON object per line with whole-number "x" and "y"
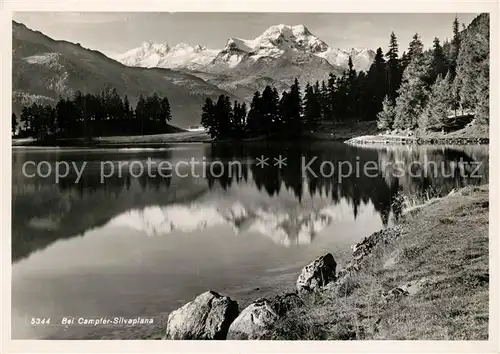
{"x": 112, "y": 241}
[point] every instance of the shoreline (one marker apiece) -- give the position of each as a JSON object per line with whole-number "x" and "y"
{"x": 326, "y": 132}
{"x": 470, "y": 135}
{"x": 110, "y": 141}
{"x": 408, "y": 140}
{"x": 401, "y": 283}
{"x": 360, "y": 134}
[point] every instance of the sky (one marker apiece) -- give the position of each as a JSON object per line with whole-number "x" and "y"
{"x": 116, "y": 32}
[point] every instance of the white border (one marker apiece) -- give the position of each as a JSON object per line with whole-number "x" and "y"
{"x": 394, "y": 6}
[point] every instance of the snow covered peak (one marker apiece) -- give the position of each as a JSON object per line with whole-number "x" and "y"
{"x": 286, "y": 31}
{"x": 198, "y": 48}
{"x": 182, "y": 55}
{"x": 277, "y": 40}
{"x": 149, "y": 46}
{"x": 187, "y": 47}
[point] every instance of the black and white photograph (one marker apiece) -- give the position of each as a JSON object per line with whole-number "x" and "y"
{"x": 282, "y": 176}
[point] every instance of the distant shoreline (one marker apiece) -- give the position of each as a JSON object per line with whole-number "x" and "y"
{"x": 129, "y": 140}
{"x": 326, "y": 132}
{"x": 359, "y": 134}
{"x": 476, "y": 134}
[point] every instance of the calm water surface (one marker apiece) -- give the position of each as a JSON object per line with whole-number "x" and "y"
{"x": 143, "y": 246}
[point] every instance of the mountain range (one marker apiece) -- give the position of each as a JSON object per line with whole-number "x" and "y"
{"x": 44, "y": 69}
{"x": 280, "y": 41}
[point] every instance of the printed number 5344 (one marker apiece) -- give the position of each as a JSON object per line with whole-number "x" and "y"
{"x": 40, "y": 320}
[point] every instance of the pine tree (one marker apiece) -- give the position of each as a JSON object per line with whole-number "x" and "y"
{"x": 126, "y": 107}
{"x": 342, "y": 103}
{"x": 362, "y": 97}
{"x": 165, "y": 113}
{"x": 140, "y": 115}
{"x": 295, "y": 119}
{"x": 404, "y": 61}
{"x": 208, "y": 118}
{"x": 455, "y": 48}
{"x": 223, "y": 116}
{"x": 415, "y": 47}
{"x": 254, "y": 119}
{"x": 278, "y": 123}
{"x": 351, "y": 72}
{"x": 238, "y": 120}
{"x": 385, "y": 118}
{"x": 439, "y": 64}
{"x": 352, "y": 93}
{"x": 284, "y": 111}
{"x": 312, "y": 107}
{"x": 324, "y": 102}
{"x": 413, "y": 92}
{"x": 435, "y": 114}
{"x": 393, "y": 71}
{"x": 376, "y": 85}
{"x": 269, "y": 111}
{"x": 154, "y": 120}
{"x": 330, "y": 100}
{"x": 26, "y": 119}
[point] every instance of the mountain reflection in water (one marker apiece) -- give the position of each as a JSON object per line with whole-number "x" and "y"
{"x": 143, "y": 246}
{"x": 276, "y": 202}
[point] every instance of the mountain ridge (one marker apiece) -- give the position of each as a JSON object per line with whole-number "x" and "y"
{"x": 276, "y": 57}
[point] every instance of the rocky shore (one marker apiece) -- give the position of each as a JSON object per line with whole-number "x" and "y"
{"x": 409, "y": 140}
{"x": 214, "y": 316}
{"x": 320, "y": 288}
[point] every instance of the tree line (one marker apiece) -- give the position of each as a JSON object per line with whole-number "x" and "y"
{"x": 88, "y": 115}
{"x": 443, "y": 82}
{"x": 352, "y": 96}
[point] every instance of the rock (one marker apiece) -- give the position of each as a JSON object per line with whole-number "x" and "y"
{"x": 208, "y": 316}
{"x": 318, "y": 273}
{"x": 256, "y": 321}
{"x": 394, "y": 294}
{"x": 408, "y": 289}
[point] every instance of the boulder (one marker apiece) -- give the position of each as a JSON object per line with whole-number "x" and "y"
{"x": 394, "y": 294}
{"x": 208, "y": 316}
{"x": 256, "y": 320}
{"x": 317, "y": 274}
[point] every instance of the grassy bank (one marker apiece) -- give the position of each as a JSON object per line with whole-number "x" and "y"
{"x": 427, "y": 278}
